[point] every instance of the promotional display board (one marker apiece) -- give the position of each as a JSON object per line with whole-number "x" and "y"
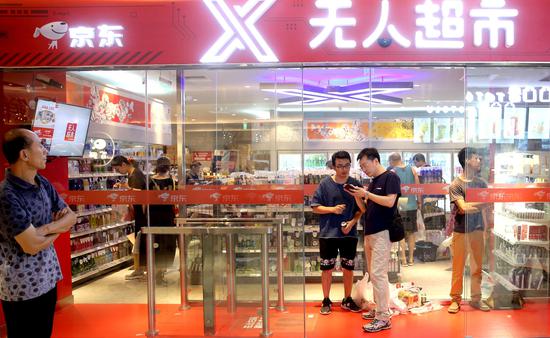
{"x": 62, "y": 128}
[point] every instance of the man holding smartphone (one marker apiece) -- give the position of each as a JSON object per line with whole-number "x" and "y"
{"x": 380, "y": 199}
{"x": 339, "y": 213}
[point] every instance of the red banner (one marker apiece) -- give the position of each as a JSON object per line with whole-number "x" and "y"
{"x": 264, "y": 194}
{"x": 88, "y": 33}
{"x": 507, "y": 194}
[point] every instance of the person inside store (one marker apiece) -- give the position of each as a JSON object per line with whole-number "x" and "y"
{"x": 420, "y": 161}
{"x": 194, "y": 176}
{"x": 380, "y": 199}
{"x": 407, "y": 205}
{"x": 329, "y": 165}
{"x": 163, "y": 216}
{"x": 468, "y": 232}
{"x": 136, "y": 181}
{"x": 339, "y": 213}
{"x": 32, "y": 216}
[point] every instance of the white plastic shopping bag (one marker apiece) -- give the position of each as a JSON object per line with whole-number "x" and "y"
{"x": 361, "y": 291}
{"x": 445, "y": 244}
{"x": 421, "y": 233}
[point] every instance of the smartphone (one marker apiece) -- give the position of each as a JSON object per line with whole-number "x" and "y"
{"x": 348, "y": 186}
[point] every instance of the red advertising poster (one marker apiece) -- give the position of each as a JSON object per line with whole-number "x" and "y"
{"x": 70, "y": 131}
{"x": 201, "y": 156}
{"x": 88, "y": 33}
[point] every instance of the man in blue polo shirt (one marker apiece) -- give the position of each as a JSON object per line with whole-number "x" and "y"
{"x": 32, "y": 215}
{"x": 339, "y": 213}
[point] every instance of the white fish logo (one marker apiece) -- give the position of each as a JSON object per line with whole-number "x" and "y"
{"x": 164, "y": 196}
{"x": 216, "y": 196}
{"x": 112, "y": 196}
{"x": 406, "y": 188}
{"x": 52, "y": 31}
{"x": 484, "y": 194}
{"x": 540, "y": 194}
{"x": 268, "y": 196}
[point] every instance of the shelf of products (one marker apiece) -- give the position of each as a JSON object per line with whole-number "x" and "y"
{"x": 103, "y": 228}
{"x": 95, "y": 175}
{"x": 97, "y": 247}
{"x": 521, "y": 229}
{"x": 93, "y": 211}
{"x": 95, "y": 270}
{"x": 99, "y": 238}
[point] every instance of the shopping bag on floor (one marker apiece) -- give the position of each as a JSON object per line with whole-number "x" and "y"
{"x": 360, "y": 292}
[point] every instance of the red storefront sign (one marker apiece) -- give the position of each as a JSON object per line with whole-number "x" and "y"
{"x": 85, "y": 33}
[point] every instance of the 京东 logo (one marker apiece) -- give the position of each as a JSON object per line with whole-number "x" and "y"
{"x": 239, "y": 30}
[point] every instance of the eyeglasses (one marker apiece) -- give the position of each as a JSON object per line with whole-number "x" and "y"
{"x": 347, "y": 166}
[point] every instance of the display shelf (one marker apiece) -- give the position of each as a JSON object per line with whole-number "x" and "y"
{"x": 98, "y": 247}
{"x": 504, "y": 282}
{"x": 103, "y": 228}
{"x": 93, "y": 212}
{"x": 510, "y": 218}
{"x": 433, "y": 214}
{"x": 514, "y": 263}
{"x": 101, "y": 268}
{"x": 94, "y": 175}
{"x": 514, "y": 241}
{"x": 273, "y": 208}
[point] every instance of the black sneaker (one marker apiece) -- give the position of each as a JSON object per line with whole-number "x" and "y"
{"x": 349, "y": 305}
{"x": 326, "y": 307}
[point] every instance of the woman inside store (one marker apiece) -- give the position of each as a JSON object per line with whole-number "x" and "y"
{"x": 163, "y": 215}
{"x": 136, "y": 181}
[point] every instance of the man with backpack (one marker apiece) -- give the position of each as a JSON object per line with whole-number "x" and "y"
{"x": 381, "y": 203}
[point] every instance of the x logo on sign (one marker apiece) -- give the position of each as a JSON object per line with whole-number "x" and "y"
{"x": 239, "y": 31}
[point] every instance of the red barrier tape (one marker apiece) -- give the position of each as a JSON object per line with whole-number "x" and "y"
{"x": 291, "y": 194}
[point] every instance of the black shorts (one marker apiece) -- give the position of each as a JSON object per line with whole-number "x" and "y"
{"x": 409, "y": 220}
{"x": 329, "y": 248}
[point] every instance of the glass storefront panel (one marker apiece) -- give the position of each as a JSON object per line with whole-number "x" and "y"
{"x": 414, "y": 115}
{"x": 232, "y": 116}
{"x": 509, "y": 118}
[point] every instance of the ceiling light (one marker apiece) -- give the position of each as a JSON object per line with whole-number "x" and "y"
{"x": 364, "y": 92}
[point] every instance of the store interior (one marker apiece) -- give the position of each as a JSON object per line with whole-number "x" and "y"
{"x": 280, "y": 126}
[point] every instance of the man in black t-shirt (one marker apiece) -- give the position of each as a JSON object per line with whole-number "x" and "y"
{"x": 381, "y": 203}
{"x": 468, "y": 232}
{"x": 339, "y": 213}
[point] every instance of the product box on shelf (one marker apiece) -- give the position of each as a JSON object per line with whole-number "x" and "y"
{"x": 531, "y": 232}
